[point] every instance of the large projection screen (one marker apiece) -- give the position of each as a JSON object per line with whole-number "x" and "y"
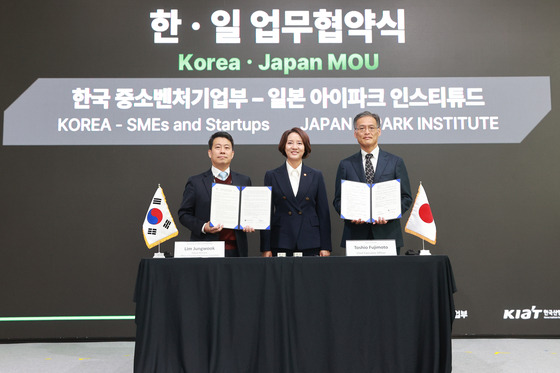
{"x": 103, "y": 101}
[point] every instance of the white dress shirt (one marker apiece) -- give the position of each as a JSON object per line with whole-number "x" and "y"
{"x": 294, "y": 174}
{"x": 216, "y": 172}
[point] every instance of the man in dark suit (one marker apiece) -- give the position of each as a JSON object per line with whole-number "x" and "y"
{"x": 195, "y": 208}
{"x": 379, "y": 166}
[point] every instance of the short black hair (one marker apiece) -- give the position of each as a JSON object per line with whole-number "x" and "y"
{"x": 220, "y": 134}
{"x": 367, "y": 114}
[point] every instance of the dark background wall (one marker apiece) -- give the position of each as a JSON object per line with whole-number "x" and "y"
{"x": 70, "y": 228}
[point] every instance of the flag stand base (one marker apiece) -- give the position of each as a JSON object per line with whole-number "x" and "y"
{"x": 159, "y": 254}
{"x": 425, "y": 252}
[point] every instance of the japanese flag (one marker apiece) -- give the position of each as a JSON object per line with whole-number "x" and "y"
{"x": 421, "y": 221}
{"x": 158, "y": 225}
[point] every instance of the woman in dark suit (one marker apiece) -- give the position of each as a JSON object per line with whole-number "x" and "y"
{"x": 300, "y": 209}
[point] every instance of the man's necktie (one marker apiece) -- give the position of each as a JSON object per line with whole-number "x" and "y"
{"x": 222, "y": 175}
{"x": 369, "y": 169}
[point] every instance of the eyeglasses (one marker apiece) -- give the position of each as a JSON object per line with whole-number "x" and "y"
{"x": 368, "y": 128}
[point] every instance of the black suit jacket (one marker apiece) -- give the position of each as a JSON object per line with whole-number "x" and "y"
{"x": 298, "y": 222}
{"x": 389, "y": 167}
{"x": 195, "y": 208}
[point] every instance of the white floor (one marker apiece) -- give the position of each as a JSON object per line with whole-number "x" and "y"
{"x": 506, "y": 355}
{"x": 83, "y": 357}
{"x": 469, "y": 356}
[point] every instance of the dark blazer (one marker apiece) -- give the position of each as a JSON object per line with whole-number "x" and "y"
{"x": 195, "y": 208}
{"x": 298, "y": 222}
{"x": 389, "y": 167}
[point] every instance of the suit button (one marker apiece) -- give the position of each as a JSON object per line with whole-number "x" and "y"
{"x": 307, "y": 198}
{"x": 289, "y": 213}
{"x": 284, "y": 197}
{"x": 299, "y": 212}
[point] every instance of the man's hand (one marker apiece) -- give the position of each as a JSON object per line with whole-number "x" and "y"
{"x": 380, "y": 220}
{"x": 211, "y": 230}
{"x": 358, "y": 221}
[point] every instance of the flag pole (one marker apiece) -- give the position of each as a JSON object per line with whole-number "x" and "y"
{"x": 424, "y": 252}
{"x": 159, "y": 254}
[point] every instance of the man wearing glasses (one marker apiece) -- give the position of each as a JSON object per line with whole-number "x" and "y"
{"x": 372, "y": 165}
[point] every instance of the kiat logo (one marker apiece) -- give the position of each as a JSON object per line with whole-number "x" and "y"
{"x": 532, "y": 313}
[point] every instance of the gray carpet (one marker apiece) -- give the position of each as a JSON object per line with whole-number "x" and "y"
{"x": 506, "y": 355}
{"x": 469, "y": 356}
{"x": 85, "y": 357}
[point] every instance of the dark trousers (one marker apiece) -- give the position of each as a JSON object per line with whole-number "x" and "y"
{"x": 370, "y": 237}
{"x": 232, "y": 253}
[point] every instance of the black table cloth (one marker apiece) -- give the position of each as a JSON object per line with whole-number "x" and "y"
{"x": 294, "y": 315}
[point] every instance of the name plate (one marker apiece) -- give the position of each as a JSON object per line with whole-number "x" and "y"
{"x": 199, "y": 249}
{"x": 371, "y": 248}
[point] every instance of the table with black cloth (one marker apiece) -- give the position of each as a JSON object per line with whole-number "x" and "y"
{"x": 294, "y": 315}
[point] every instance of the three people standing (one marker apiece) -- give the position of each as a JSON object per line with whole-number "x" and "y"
{"x": 300, "y": 217}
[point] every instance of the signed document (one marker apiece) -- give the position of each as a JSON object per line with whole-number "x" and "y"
{"x": 224, "y": 206}
{"x": 355, "y": 201}
{"x": 386, "y": 200}
{"x": 236, "y": 207}
{"x": 369, "y": 202}
{"x": 255, "y": 207}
